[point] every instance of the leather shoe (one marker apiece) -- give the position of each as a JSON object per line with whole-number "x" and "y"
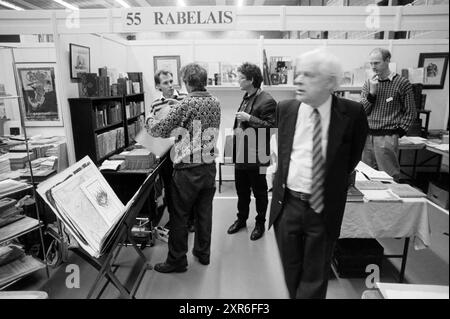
{"x": 167, "y": 268}
{"x": 236, "y": 226}
{"x": 257, "y": 232}
{"x": 202, "y": 259}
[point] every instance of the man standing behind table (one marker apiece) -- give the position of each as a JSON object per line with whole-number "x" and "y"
{"x": 255, "y": 117}
{"x": 195, "y": 124}
{"x": 320, "y": 141}
{"x": 160, "y": 107}
{"x": 388, "y": 100}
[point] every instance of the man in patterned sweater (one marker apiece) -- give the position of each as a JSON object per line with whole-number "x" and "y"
{"x": 389, "y": 104}
{"x": 195, "y": 124}
{"x": 160, "y": 107}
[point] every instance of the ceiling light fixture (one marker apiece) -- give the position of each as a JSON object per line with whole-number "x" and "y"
{"x": 67, "y": 5}
{"x": 123, "y": 3}
{"x": 240, "y": 3}
{"x": 181, "y": 3}
{"x": 10, "y": 5}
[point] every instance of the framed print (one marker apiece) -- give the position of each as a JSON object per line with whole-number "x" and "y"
{"x": 80, "y": 60}
{"x": 37, "y": 84}
{"x": 435, "y": 68}
{"x": 170, "y": 63}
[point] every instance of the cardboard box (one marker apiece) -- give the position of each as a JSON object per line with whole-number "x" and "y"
{"x": 438, "y": 195}
{"x": 352, "y": 256}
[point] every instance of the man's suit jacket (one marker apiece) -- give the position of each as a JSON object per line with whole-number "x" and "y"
{"x": 346, "y": 138}
{"x": 261, "y": 107}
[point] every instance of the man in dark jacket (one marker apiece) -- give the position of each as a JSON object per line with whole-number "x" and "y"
{"x": 255, "y": 117}
{"x": 320, "y": 141}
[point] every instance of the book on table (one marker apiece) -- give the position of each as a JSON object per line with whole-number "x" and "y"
{"x": 380, "y": 195}
{"x": 405, "y": 191}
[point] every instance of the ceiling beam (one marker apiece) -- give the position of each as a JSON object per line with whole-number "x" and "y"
{"x": 142, "y": 3}
{"x": 27, "y": 5}
{"x": 104, "y": 3}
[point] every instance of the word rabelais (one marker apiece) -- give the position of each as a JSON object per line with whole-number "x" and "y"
{"x": 193, "y": 17}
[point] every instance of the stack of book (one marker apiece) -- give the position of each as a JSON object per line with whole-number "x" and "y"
{"x": 134, "y": 128}
{"x": 19, "y": 160}
{"x": 134, "y": 109}
{"x": 37, "y": 150}
{"x": 137, "y": 81}
{"x": 368, "y": 184}
{"x": 110, "y": 141}
{"x": 42, "y": 168}
{"x": 5, "y": 167}
{"x": 14, "y": 264}
{"x": 108, "y": 114}
{"x": 354, "y": 195}
{"x": 9, "y": 212}
{"x": 139, "y": 159}
{"x": 9, "y": 186}
{"x": 405, "y": 191}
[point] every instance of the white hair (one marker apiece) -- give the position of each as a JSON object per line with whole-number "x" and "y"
{"x": 327, "y": 64}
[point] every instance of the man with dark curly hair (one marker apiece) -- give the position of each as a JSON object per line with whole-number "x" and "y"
{"x": 251, "y": 148}
{"x": 194, "y": 122}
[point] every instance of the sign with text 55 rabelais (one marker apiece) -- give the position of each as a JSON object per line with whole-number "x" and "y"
{"x": 179, "y": 19}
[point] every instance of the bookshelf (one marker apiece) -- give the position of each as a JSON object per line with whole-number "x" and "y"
{"x": 103, "y": 126}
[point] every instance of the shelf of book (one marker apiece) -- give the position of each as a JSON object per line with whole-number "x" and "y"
{"x": 135, "y": 117}
{"x": 90, "y": 117}
{"x": 99, "y": 98}
{"x": 134, "y": 95}
{"x": 108, "y": 127}
{"x": 18, "y": 228}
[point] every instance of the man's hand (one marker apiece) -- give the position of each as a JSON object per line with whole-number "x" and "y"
{"x": 242, "y": 116}
{"x": 373, "y": 85}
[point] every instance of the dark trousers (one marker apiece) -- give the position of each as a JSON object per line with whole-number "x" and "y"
{"x": 166, "y": 175}
{"x": 247, "y": 180}
{"x": 191, "y": 188}
{"x": 305, "y": 249}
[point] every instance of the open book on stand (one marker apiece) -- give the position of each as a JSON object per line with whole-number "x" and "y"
{"x": 86, "y": 204}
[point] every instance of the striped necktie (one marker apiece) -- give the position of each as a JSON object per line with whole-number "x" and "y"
{"x": 318, "y": 166}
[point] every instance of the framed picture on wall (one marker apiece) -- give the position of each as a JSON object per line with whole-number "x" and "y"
{"x": 38, "y": 87}
{"x": 435, "y": 68}
{"x": 170, "y": 63}
{"x": 80, "y": 60}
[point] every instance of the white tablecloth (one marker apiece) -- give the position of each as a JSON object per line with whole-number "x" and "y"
{"x": 388, "y": 220}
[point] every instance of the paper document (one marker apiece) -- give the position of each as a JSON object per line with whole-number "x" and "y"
{"x": 408, "y": 291}
{"x": 372, "y": 173}
{"x": 157, "y": 145}
{"x": 111, "y": 165}
{"x": 380, "y": 195}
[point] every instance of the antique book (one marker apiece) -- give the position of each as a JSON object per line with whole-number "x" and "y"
{"x": 85, "y": 203}
{"x": 368, "y": 184}
{"x": 405, "y": 191}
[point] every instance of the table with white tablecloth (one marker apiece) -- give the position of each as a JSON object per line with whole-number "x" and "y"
{"x": 407, "y": 219}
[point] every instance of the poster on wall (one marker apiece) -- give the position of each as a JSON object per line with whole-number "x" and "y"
{"x": 170, "y": 63}
{"x": 80, "y": 60}
{"x": 435, "y": 68}
{"x": 37, "y": 83}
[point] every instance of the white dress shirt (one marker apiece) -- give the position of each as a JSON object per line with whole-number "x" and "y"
{"x": 300, "y": 166}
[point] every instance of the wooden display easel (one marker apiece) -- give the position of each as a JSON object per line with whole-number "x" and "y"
{"x": 105, "y": 263}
